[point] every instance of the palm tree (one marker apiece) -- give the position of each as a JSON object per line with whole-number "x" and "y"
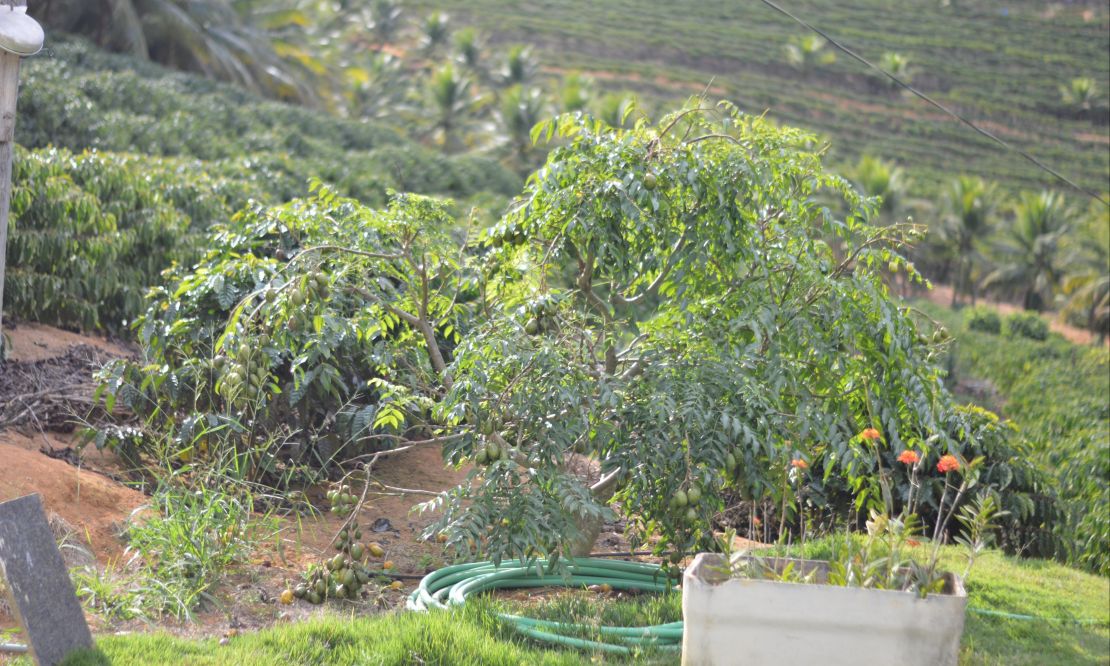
{"x": 968, "y": 206}
{"x": 434, "y": 32}
{"x": 807, "y": 52}
{"x": 1030, "y": 250}
{"x": 385, "y": 20}
{"x": 379, "y": 86}
{"x": 896, "y": 64}
{"x": 468, "y": 49}
{"x": 519, "y": 66}
{"x": 1087, "y": 285}
{"x": 616, "y": 109}
{"x": 1080, "y": 93}
{"x": 520, "y": 111}
{"x": 205, "y": 36}
{"x": 877, "y": 178}
{"x": 450, "y": 103}
{"x": 575, "y": 93}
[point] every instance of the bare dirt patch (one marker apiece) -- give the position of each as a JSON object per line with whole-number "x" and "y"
{"x": 95, "y": 506}
{"x": 35, "y": 342}
{"x": 942, "y": 295}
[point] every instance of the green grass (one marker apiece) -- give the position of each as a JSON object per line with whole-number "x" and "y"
{"x": 1001, "y": 68}
{"x": 468, "y": 637}
{"x": 1076, "y": 603}
{"x": 473, "y": 636}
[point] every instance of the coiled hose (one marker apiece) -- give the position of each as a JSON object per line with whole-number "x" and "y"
{"x": 450, "y": 586}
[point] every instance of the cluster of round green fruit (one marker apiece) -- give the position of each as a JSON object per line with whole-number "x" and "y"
{"x": 313, "y": 286}
{"x": 506, "y": 233}
{"x": 246, "y": 375}
{"x": 541, "y": 315}
{"x": 490, "y": 452}
{"x": 342, "y": 501}
{"x": 342, "y": 576}
{"x": 686, "y": 501}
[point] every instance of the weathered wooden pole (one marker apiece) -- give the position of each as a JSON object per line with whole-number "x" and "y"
{"x": 20, "y": 35}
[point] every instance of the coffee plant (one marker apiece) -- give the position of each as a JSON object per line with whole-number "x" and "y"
{"x": 91, "y": 232}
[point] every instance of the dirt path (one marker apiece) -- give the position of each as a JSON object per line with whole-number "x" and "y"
{"x": 942, "y": 295}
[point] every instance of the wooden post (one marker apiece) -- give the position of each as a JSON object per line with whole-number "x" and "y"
{"x": 9, "y": 91}
{"x": 20, "y": 35}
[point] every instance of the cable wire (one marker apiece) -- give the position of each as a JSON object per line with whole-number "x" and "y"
{"x": 933, "y": 102}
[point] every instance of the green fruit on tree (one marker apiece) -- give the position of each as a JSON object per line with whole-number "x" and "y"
{"x": 482, "y": 457}
{"x": 297, "y": 297}
{"x": 691, "y": 515}
{"x": 493, "y": 451}
{"x": 730, "y": 462}
{"x": 680, "y": 499}
{"x": 532, "y": 327}
{"x": 650, "y": 181}
{"x": 693, "y": 495}
{"x": 357, "y": 552}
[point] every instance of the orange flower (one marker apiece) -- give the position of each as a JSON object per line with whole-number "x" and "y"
{"x": 756, "y": 521}
{"x": 948, "y": 463}
{"x": 913, "y": 542}
{"x": 799, "y": 463}
{"x": 871, "y": 434}
{"x": 908, "y": 457}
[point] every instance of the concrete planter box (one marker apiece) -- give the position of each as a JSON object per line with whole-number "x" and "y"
{"x": 743, "y": 621}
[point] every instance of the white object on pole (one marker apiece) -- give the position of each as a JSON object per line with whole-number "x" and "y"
{"x": 20, "y": 35}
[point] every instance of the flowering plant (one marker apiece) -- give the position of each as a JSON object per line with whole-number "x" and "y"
{"x": 888, "y": 556}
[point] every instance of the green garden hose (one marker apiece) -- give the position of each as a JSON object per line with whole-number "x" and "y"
{"x": 450, "y": 586}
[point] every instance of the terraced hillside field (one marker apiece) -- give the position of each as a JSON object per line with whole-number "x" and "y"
{"x": 1000, "y": 63}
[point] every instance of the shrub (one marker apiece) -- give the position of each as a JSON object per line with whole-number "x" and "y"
{"x": 984, "y": 319}
{"x": 78, "y": 97}
{"x": 92, "y": 230}
{"x": 316, "y": 364}
{"x": 1026, "y": 325}
{"x": 90, "y": 233}
{"x": 1055, "y": 394}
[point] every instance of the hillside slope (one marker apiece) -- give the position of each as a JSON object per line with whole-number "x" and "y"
{"x": 174, "y": 154}
{"x": 1001, "y": 65}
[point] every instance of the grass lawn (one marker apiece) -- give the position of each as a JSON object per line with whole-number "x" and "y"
{"x": 473, "y": 636}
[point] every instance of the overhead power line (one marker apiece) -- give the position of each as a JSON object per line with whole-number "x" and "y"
{"x": 1038, "y": 163}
